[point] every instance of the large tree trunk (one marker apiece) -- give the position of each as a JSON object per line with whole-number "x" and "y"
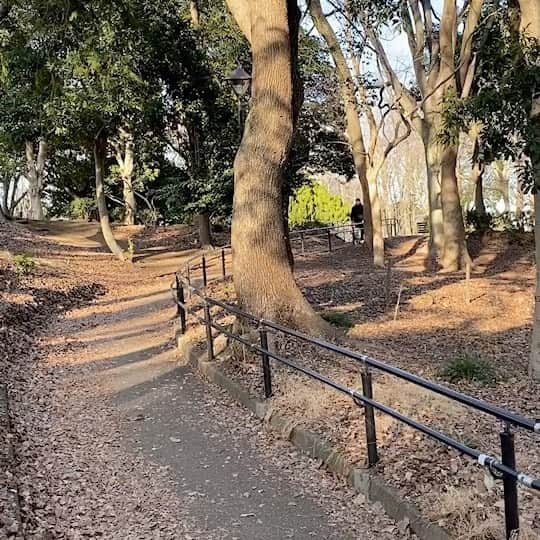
{"x": 205, "y": 234}
{"x": 35, "y": 176}
{"x": 100, "y": 153}
{"x": 352, "y": 116}
{"x": 530, "y": 25}
{"x": 130, "y": 203}
{"x": 455, "y": 254}
{"x": 263, "y": 279}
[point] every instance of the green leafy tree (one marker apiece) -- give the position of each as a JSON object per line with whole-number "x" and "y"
{"x": 314, "y": 205}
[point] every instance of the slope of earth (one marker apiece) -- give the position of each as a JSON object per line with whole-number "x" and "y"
{"x": 112, "y": 438}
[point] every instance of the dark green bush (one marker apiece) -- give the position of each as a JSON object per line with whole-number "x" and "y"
{"x": 335, "y": 318}
{"x": 469, "y": 367}
{"x": 479, "y": 221}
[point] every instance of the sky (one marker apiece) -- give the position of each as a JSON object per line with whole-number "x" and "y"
{"x": 395, "y": 44}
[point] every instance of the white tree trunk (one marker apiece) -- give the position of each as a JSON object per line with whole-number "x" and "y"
{"x": 35, "y": 176}
{"x": 376, "y": 217}
{"x": 100, "y": 152}
{"x": 124, "y": 154}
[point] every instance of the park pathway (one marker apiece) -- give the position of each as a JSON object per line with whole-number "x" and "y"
{"x": 212, "y": 449}
{"x": 217, "y": 464}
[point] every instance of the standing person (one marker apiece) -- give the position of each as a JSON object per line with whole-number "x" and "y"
{"x": 357, "y": 218}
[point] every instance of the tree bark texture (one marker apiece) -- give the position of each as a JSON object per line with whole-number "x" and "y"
{"x": 205, "y": 235}
{"x": 36, "y": 177}
{"x": 530, "y": 26}
{"x": 263, "y": 278}
{"x": 100, "y": 153}
{"x": 432, "y": 153}
{"x": 352, "y": 118}
{"x": 376, "y": 218}
{"x": 455, "y": 254}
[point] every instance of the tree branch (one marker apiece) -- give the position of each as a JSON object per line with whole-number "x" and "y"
{"x": 471, "y": 24}
{"x": 404, "y": 97}
{"x": 428, "y": 18}
{"x": 241, "y": 11}
{"x": 398, "y": 139}
{"x": 416, "y": 41}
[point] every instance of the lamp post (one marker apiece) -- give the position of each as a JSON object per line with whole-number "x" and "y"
{"x": 240, "y": 81}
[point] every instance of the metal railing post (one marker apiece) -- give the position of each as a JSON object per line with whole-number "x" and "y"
{"x": 204, "y": 276}
{"x": 181, "y": 301}
{"x": 177, "y": 285}
{"x": 209, "y": 339}
{"x": 223, "y": 269}
{"x": 353, "y": 235}
{"x": 511, "y": 512}
{"x": 302, "y": 242}
{"x": 267, "y": 373}
{"x": 329, "y": 234}
{"x": 369, "y": 417}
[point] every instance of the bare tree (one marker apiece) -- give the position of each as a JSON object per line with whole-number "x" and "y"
{"x": 11, "y": 195}
{"x": 369, "y": 157}
{"x": 263, "y": 278}
{"x": 439, "y": 70}
{"x": 373, "y": 224}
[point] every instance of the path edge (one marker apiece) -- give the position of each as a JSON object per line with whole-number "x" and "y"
{"x": 368, "y": 483}
{"x": 12, "y": 520}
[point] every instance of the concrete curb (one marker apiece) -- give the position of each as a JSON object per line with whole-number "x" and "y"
{"x": 363, "y": 481}
{"x": 9, "y": 493}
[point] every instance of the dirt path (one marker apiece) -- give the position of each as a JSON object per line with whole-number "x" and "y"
{"x": 117, "y": 440}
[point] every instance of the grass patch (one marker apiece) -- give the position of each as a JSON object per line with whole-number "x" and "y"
{"x": 24, "y": 264}
{"x": 335, "y": 318}
{"x": 469, "y": 367}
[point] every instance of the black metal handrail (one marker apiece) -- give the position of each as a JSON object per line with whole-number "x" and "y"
{"x": 321, "y": 229}
{"x": 504, "y": 468}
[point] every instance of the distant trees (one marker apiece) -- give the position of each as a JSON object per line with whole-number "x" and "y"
{"x": 443, "y": 66}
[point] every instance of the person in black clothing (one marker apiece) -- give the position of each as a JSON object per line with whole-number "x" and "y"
{"x": 357, "y": 218}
